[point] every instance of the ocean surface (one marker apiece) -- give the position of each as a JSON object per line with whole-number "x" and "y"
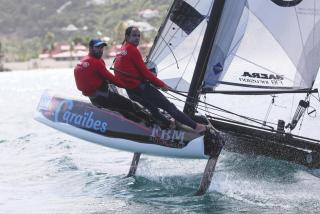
{"x": 45, "y": 171}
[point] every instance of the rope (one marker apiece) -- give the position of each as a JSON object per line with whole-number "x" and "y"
{"x": 216, "y": 108}
{"x": 269, "y": 110}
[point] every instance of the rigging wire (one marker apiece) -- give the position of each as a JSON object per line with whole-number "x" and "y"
{"x": 191, "y": 56}
{"x": 169, "y": 65}
{"x": 157, "y": 52}
{"x": 154, "y": 50}
{"x": 217, "y": 109}
{"x": 317, "y": 98}
{"x": 214, "y": 108}
{"x": 206, "y": 109}
{"x": 168, "y": 45}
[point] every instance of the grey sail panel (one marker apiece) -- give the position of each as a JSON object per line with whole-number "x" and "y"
{"x": 185, "y": 16}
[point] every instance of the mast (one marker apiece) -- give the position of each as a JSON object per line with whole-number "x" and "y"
{"x": 203, "y": 58}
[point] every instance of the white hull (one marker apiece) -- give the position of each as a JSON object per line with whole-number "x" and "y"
{"x": 194, "y": 149}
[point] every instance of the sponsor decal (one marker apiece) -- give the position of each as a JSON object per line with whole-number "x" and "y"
{"x": 122, "y": 52}
{"x": 262, "y": 79}
{"x": 85, "y": 64}
{"x": 164, "y": 136}
{"x": 262, "y": 76}
{"x": 79, "y": 119}
{"x": 45, "y": 101}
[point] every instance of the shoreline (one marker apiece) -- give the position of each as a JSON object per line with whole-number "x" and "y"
{"x": 35, "y": 64}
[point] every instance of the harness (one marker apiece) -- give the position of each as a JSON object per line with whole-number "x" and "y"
{"x": 127, "y": 74}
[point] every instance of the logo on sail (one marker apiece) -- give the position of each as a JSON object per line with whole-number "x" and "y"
{"x": 263, "y": 76}
{"x": 262, "y": 79}
{"x": 286, "y": 3}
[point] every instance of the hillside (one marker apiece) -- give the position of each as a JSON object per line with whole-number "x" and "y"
{"x": 29, "y": 25}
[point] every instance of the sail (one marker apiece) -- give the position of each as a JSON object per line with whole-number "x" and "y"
{"x": 177, "y": 46}
{"x": 276, "y": 45}
{"x": 259, "y": 46}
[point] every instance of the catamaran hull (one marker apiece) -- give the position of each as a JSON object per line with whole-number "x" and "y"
{"x": 115, "y": 130}
{"x": 195, "y": 148}
{"x": 255, "y": 140}
{"x": 111, "y": 129}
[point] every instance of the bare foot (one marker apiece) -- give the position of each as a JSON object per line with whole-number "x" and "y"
{"x": 172, "y": 124}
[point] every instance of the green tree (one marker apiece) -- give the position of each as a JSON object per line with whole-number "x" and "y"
{"x": 1, "y": 58}
{"x": 118, "y": 32}
{"x": 84, "y": 40}
{"x": 49, "y": 41}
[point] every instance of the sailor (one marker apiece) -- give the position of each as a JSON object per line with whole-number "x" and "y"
{"x": 141, "y": 85}
{"x": 92, "y": 79}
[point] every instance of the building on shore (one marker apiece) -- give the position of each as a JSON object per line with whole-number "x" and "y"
{"x": 65, "y": 52}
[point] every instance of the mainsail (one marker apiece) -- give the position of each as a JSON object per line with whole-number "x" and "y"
{"x": 266, "y": 46}
{"x": 262, "y": 44}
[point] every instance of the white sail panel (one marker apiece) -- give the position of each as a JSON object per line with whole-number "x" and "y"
{"x": 184, "y": 17}
{"x": 183, "y": 62}
{"x": 297, "y": 31}
{"x": 280, "y": 48}
{"x": 177, "y": 46}
{"x": 259, "y": 60}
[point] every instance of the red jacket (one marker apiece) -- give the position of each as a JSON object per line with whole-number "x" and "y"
{"x": 130, "y": 68}
{"x": 90, "y": 73}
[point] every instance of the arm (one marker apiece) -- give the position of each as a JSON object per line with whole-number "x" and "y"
{"x": 102, "y": 70}
{"x": 144, "y": 71}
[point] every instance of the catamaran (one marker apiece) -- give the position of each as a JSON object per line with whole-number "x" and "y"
{"x": 239, "y": 68}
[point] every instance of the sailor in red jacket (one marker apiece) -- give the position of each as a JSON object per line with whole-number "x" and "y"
{"x": 92, "y": 79}
{"x": 130, "y": 68}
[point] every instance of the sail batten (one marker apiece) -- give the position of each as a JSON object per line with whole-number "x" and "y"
{"x": 251, "y": 85}
{"x": 263, "y": 92}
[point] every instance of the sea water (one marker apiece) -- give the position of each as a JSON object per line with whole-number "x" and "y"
{"x": 45, "y": 171}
